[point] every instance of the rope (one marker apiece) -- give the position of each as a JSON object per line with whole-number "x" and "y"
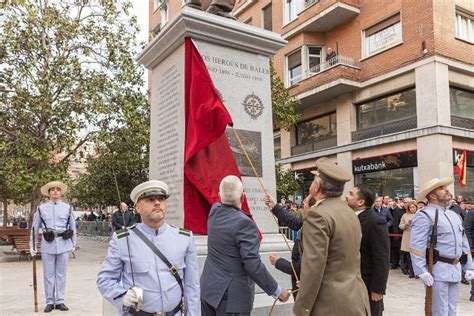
{"x": 274, "y": 217}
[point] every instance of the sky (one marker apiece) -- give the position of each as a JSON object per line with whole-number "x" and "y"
{"x": 140, "y": 9}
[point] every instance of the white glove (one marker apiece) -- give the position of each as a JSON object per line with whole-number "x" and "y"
{"x": 32, "y": 252}
{"x": 469, "y": 275}
{"x": 133, "y": 298}
{"x": 427, "y": 278}
{"x": 73, "y": 249}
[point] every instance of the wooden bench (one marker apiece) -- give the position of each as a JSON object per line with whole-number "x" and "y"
{"x": 7, "y": 233}
{"x": 22, "y": 245}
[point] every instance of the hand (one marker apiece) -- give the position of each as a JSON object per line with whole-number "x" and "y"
{"x": 73, "y": 249}
{"x": 469, "y": 275}
{"x": 298, "y": 284}
{"x": 32, "y": 252}
{"x": 273, "y": 259}
{"x": 427, "y": 278}
{"x": 284, "y": 295}
{"x": 130, "y": 298}
{"x": 269, "y": 201}
{"x": 376, "y": 296}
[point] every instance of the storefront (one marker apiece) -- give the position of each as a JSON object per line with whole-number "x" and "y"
{"x": 394, "y": 174}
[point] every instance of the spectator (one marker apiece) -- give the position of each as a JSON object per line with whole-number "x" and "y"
{"x": 405, "y": 225}
{"x": 15, "y": 221}
{"x": 331, "y": 57}
{"x": 122, "y": 217}
{"x": 386, "y": 201}
{"x": 469, "y": 227}
{"x": 84, "y": 217}
{"x": 383, "y": 211}
{"x": 421, "y": 204}
{"x": 23, "y": 223}
{"x": 100, "y": 216}
{"x": 91, "y": 217}
{"x": 397, "y": 212}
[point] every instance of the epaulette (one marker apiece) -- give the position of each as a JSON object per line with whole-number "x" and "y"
{"x": 122, "y": 233}
{"x": 184, "y": 232}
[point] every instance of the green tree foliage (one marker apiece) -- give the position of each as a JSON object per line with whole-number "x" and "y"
{"x": 68, "y": 71}
{"x": 284, "y": 114}
{"x": 286, "y": 182}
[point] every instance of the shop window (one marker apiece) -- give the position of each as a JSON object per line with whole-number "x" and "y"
{"x": 292, "y": 8}
{"x": 468, "y": 190}
{"x": 267, "y": 17}
{"x": 277, "y": 144}
{"x": 382, "y": 36}
{"x": 462, "y": 103}
{"x": 395, "y": 107}
{"x": 465, "y": 25}
{"x": 295, "y": 68}
{"x": 164, "y": 13}
{"x": 316, "y": 129}
{"x": 394, "y": 182}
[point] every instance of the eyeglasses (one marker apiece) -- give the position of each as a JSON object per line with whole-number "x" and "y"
{"x": 55, "y": 189}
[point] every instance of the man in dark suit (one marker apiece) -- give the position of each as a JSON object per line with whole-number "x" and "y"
{"x": 233, "y": 264}
{"x": 396, "y": 241}
{"x": 469, "y": 229}
{"x": 374, "y": 247}
{"x": 383, "y": 211}
{"x": 123, "y": 217}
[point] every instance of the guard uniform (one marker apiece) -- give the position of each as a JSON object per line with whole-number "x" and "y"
{"x": 56, "y": 217}
{"x": 161, "y": 291}
{"x": 451, "y": 244}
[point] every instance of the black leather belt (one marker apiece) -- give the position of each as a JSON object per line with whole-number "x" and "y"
{"x": 143, "y": 313}
{"x": 448, "y": 260}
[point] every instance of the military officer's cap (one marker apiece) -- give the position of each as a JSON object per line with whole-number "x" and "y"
{"x": 53, "y": 184}
{"x": 149, "y": 188}
{"x": 330, "y": 172}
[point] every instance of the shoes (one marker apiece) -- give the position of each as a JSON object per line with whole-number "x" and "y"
{"x": 61, "y": 307}
{"x": 405, "y": 271}
{"x": 472, "y": 298}
{"x": 464, "y": 281}
{"x": 411, "y": 275}
{"x": 48, "y": 308}
{"x": 393, "y": 267}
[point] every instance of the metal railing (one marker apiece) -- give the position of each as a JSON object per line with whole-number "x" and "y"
{"x": 319, "y": 144}
{"x": 94, "y": 228}
{"x": 332, "y": 62}
{"x": 462, "y": 122}
{"x": 385, "y": 129}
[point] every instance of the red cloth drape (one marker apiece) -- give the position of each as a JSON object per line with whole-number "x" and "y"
{"x": 208, "y": 157}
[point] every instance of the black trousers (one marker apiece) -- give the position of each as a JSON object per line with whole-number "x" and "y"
{"x": 208, "y": 310}
{"x": 395, "y": 243}
{"x": 376, "y": 308}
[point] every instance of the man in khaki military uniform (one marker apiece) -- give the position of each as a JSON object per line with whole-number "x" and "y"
{"x": 331, "y": 283}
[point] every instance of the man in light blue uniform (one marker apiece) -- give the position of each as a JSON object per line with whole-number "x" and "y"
{"x": 451, "y": 245}
{"x": 55, "y": 218}
{"x": 134, "y": 278}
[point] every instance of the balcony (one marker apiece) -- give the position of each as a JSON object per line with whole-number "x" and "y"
{"x": 320, "y": 144}
{"x": 462, "y": 122}
{"x": 322, "y": 16}
{"x": 385, "y": 129}
{"x": 336, "y": 76}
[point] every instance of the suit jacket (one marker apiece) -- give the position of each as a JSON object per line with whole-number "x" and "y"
{"x": 118, "y": 221}
{"x": 233, "y": 262}
{"x": 374, "y": 251}
{"x": 331, "y": 283}
{"x": 397, "y": 214}
{"x": 385, "y": 214}
{"x": 469, "y": 228}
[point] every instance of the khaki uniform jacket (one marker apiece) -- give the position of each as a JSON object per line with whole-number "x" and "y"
{"x": 331, "y": 283}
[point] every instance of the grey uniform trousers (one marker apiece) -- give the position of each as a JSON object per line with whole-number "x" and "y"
{"x": 54, "y": 270}
{"x": 445, "y": 298}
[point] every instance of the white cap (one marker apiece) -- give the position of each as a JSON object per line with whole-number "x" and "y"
{"x": 149, "y": 188}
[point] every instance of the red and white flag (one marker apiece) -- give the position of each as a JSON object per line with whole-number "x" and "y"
{"x": 461, "y": 164}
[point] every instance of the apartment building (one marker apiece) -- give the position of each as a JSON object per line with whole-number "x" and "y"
{"x": 386, "y": 88}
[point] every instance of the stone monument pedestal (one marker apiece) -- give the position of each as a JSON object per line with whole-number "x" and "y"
{"x": 237, "y": 58}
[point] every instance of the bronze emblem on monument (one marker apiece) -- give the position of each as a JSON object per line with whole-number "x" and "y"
{"x": 253, "y": 105}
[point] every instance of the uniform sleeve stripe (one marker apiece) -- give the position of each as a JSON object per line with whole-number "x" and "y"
{"x": 417, "y": 253}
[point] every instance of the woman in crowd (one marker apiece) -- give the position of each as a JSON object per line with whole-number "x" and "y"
{"x": 405, "y": 225}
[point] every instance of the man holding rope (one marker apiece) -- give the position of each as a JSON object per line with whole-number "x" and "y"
{"x": 233, "y": 264}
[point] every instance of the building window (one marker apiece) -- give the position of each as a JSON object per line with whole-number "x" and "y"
{"x": 292, "y": 8}
{"x": 462, "y": 103}
{"x": 396, "y": 183}
{"x": 277, "y": 144}
{"x": 382, "y": 36}
{"x": 157, "y": 4}
{"x": 267, "y": 17}
{"x": 295, "y": 68}
{"x": 314, "y": 59}
{"x": 316, "y": 129}
{"x": 465, "y": 25}
{"x": 395, "y": 107}
{"x": 164, "y": 13}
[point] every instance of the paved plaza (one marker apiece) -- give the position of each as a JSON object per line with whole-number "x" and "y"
{"x": 405, "y": 296}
